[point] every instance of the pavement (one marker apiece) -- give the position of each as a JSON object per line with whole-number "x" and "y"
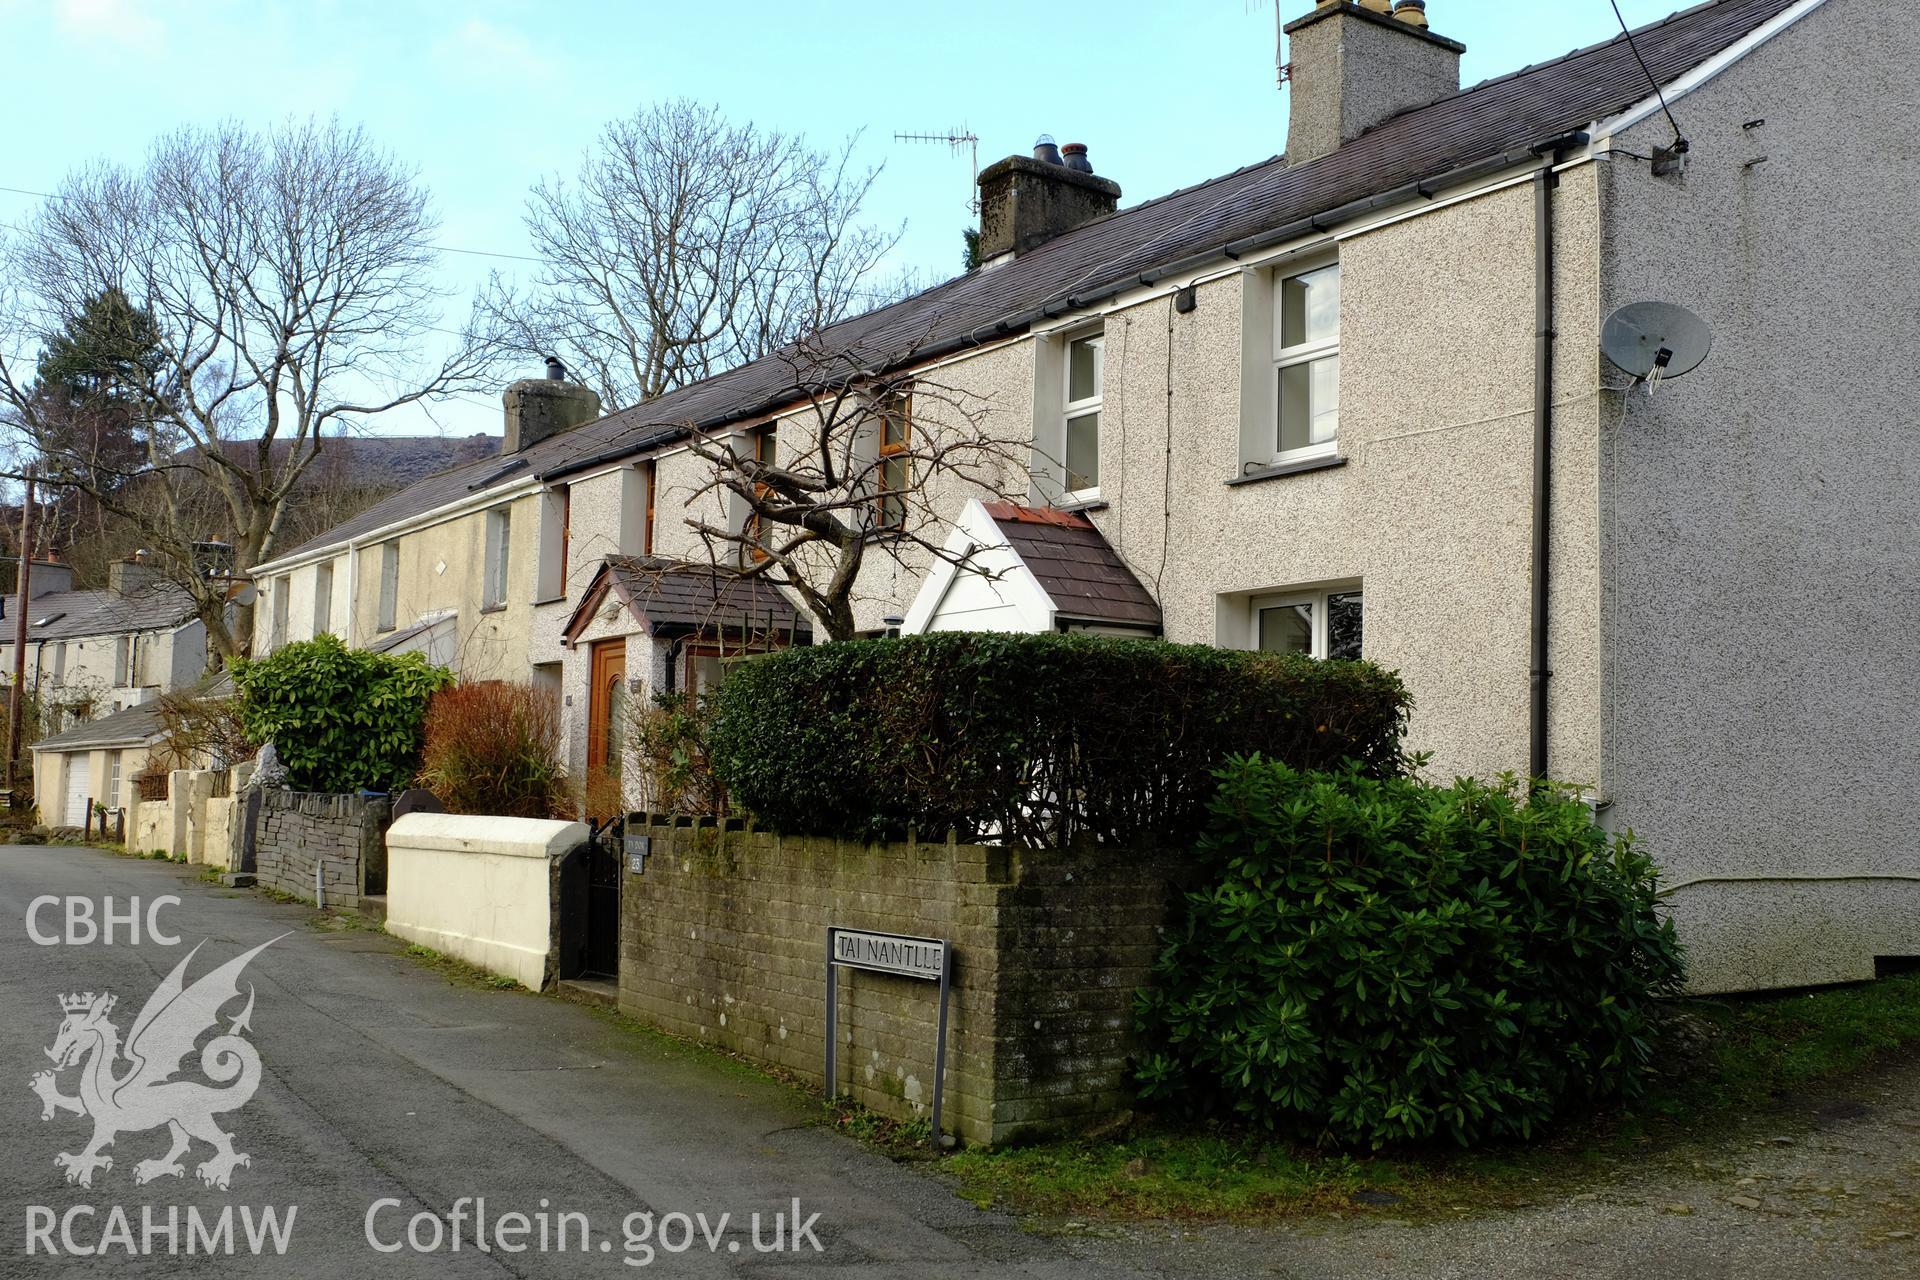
{"x": 393, "y": 1102}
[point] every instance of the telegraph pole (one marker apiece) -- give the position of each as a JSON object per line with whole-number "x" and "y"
{"x": 17, "y": 692}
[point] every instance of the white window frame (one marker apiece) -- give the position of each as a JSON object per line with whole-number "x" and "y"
{"x": 282, "y": 609}
{"x": 1317, "y": 597}
{"x": 113, "y": 779}
{"x": 389, "y": 606}
{"x": 499, "y": 535}
{"x": 1284, "y": 357}
{"x": 1071, "y": 409}
{"x": 323, "y": 598}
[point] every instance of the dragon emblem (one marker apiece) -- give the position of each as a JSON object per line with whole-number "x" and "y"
{"x": 126, "y": 1089}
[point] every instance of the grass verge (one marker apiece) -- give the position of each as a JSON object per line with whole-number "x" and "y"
{"x": 1769, "y": 1059}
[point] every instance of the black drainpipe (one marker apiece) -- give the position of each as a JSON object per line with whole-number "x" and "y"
{"x": 1544, "y": 181}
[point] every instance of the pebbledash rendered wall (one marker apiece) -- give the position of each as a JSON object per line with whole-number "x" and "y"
{"x": 345, "y": 835}
{"x": 724, "y": 940}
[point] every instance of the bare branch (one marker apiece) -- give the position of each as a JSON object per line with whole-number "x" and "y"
{"x": 284, "y": 282}
{"x": 865, "y": 465}
{"x": 686, "y": 245}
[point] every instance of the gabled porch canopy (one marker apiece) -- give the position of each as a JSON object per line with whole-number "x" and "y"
{"x": 1012, "y": 568}
{"x": 676, "y": 598}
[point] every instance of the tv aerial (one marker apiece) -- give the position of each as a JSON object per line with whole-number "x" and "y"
{"x": 955, "y": 140}
{"x": 1654, "y": 341}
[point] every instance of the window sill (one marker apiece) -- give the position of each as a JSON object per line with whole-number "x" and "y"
{"x": 560, "y": 599}
{"x": 494, "y": 608}
{"x": 1081, "y": 504}
{"x": 1295, "y": 468}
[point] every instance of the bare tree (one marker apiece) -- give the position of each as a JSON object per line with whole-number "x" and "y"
{"x": 287, "y": 280}
{"x": 868, "y": 466}
{"x": 688, "y": 244}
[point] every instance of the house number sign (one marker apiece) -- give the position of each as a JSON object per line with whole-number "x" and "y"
{"x": 928, "y": 959}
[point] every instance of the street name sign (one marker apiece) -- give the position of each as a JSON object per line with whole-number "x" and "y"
{"x": 903, "y": 956}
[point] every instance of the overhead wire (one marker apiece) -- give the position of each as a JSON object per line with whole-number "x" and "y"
{"x": 1679, "y": 137}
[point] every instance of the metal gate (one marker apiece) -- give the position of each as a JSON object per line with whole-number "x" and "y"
{"x": 602, "y": 958}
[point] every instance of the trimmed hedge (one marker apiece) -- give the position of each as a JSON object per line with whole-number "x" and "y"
{"x": 1381, "y": 960}
{"x": 341, "y": 719}
{"x": 1038, "y": 740}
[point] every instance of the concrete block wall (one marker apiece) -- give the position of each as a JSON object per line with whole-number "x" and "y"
{"x": 723, "y": 940}
{"x": 344, "y": 835}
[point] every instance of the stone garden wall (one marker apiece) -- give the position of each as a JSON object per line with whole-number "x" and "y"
{"x": 345, "y": 835}
{"x": 723, "y": 939}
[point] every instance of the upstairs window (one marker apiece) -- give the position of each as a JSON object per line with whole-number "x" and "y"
{"x": 1320, "y": 624}
{"x": 895, "y": 465}
{"x": 555, "y": 550}
{"x": 499, "y": 534}
{"x": 650, "y": 478}
{"x": 1080, "y": 454}
{"x": 764, "y": 446}
{"x": 1305, "y": 381}
{"x": 389, "y": 585}
{"x": 323, "y": 599}
{"x": 122, "y": 661}
{"x": 282, "y": 606}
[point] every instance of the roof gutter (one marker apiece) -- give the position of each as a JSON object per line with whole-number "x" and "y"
{"x": 480, "y": 501}
{"x": 673, "y": 435}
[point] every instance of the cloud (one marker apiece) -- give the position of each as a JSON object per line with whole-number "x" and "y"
{"x": 125, "y": 22}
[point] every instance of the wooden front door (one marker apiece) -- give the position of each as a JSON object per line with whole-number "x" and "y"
{"x": 605, "y": 707}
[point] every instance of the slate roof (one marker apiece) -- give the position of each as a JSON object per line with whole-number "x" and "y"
{"x": 1076, "y": 566}
{"x": 134, "y": 726}
{"x": 72, "y": 614}
{"x": 1496, "y": 120}
{"x": 675, "y": 598}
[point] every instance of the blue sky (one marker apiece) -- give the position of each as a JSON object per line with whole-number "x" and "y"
{"x": 485, "y": 97}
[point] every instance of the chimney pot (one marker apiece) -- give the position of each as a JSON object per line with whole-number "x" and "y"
{"x": 556, "y": 372}
{"x": 1074, "y": 157}
{"x": 1045, "y": 151}
{"x": 1412, "y": 12}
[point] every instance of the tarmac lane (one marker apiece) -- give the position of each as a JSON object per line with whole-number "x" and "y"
{"x": 403, "y": 1124}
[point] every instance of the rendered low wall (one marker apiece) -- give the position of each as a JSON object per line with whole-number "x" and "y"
{"x": 723, "y": 939}
{"x": 217, "y": 835}
{"x": 479, "y": 888}
{"x": 150, "y": 826}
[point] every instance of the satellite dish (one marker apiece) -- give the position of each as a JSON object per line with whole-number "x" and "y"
{"x": 1655, "y": 340}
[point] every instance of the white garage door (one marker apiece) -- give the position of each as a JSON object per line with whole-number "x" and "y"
{"x": 79, "y": 783}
